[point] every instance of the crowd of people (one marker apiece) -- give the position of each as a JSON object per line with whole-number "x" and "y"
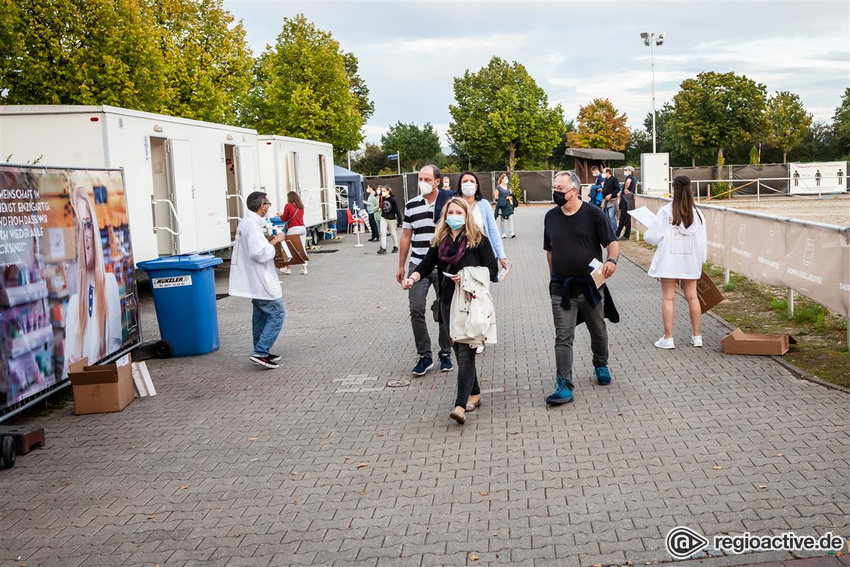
{"x": 450, "y": 241}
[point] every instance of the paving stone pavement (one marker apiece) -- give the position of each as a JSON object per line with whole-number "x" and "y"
{"x": 318, "y": 463}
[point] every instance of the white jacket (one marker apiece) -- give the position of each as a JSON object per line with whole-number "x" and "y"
{"x": 472, "y": 319}
{"x": 681, "y": 250}
{"x": 252, "y": 271}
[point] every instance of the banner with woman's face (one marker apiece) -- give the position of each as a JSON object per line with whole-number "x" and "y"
{"x": 67, "y": 280}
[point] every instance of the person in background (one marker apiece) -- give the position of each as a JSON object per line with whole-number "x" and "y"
{"x": 610, "y": 191}
{"x": 574, "y": 234}
{"x": 390, "y": 216}
{"x": 447, "y": 183}
{"x": 252, "y": 275}
{"x": 293, "y": 213}
{"x": 470, "y": 191}
{"x": 596, "y": 189}
{"x": 420, "y": 218}
{"x": 504, "y": 208}
{"x": 679, "y": 232}
{"x": 457, "y": 243}
{"x": 627, "y": 203}
{"x": 373, "y": 207}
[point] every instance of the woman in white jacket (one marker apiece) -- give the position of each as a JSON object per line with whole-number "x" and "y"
{"x": 679, "y": 232}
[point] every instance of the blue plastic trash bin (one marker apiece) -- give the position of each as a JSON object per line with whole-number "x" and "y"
{"x": 184, "y": 296}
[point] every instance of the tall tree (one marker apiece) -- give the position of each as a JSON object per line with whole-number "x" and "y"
{"x": 302, "y": 89}
{"x": 87, "y": 52}
{"x": 416, "y": 145}
{"x": 841, "y": 126}
{"x": 716, "y": 110}
{"x": 501, "y": 114}
{"x": 789, "y": 122}
{"x": 209, "y": 65}
{"x": 599, "y": 125}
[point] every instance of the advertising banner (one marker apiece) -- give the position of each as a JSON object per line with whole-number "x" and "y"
{"x": 67, "y": 285}
{"x": 818, "y": 177}
{"x": 817, "y": 264}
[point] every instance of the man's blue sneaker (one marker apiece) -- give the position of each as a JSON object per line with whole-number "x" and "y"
{"x": 602, "y": 375}
{"x": 446, "y": 363}
{"x": 425, "y": 364}
{"x": 562, "y": 395}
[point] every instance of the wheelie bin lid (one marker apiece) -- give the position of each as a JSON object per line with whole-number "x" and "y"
{"x": 180, "y": 262}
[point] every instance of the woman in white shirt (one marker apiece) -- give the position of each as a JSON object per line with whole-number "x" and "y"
{"x": 93, "y": 321}
{"x": 679, "y": 232}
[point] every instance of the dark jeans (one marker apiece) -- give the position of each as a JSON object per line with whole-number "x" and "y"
{"x": 565, "y": 327}
{"x": 420, "y": 309}
{"x": 373, "y": 225}
{"x": 467, "y": 375}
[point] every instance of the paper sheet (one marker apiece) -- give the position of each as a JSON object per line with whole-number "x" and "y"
{"x": 597, "y": 274}
{"x": 503, "y": 272}
{"x": 643, "y": 215}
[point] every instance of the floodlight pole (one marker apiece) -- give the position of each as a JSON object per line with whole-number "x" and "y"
{"x": 398, "y": 160}
{"x": 652, "y": 59}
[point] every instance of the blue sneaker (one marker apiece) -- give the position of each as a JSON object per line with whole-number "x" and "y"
{"x": 425, "y": 364}
{"x": 446, "y": 363}
{"x": 562, "y": 395}
{"x": 603, "y": 376}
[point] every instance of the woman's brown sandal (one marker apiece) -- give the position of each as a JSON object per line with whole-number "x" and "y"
{"x": 474, "y": 405}
{"x": 457, "y": 415}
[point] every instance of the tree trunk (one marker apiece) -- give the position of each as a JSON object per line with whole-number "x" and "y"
{"x": 693, "y": 161}
{"x": 784, "y": 156}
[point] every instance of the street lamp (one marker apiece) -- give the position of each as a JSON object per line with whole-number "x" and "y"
{"x": 650, "y": 39}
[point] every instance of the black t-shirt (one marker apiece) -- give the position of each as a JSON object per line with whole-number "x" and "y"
{"x": 574, "y": 240}
{"x": 611, "y": 187}
{"x": 631, "y": 186}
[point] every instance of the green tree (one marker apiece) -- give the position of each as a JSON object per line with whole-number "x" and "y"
{"x": 841, "y": 127}
{"x": 373, "y": 161}
{"x": 501, "y": 114}
{"x": 599, "y": 125}
{"x": 718, "y": 110}
{"x": 87, "y": 52}
{"x": 416, "y": 145}
{"x": 639, "y": 143}
{"x": 358, "y": 87}
{"x": 208, "y": 71}
{"x": 559, "y": 159}
{"x": 302, "y": 89}
{"x": 789, "y": 122}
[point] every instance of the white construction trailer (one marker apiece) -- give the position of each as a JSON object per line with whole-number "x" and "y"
{"x": 303, "y": 166}
{"x": 185, "y": 179}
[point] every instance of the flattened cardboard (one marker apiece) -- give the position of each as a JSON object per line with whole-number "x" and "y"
{"x": 299, "y": 255}
{"x": 100, "y": 389}
{"x": 282, "y": 255}
{"x": 739, "y": 342}
{"x": 708, "y": 294}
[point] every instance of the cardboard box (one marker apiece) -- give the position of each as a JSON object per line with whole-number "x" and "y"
{"x": 282, "y": 254}
{"x": 299, "y": 255}
{"x": 738, "y": 342}
{"x": 707, "y": 292}
{"x": 102, "y": 388}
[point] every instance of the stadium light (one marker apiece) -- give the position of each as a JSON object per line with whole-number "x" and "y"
{"x": 651, "y": 39}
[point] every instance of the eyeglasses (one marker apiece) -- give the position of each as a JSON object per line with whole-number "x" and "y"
{"x": 560, "y": 189}
{"x": 266, "y": 203}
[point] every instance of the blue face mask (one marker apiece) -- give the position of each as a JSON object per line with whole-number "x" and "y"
{"x": 455, "y": 221}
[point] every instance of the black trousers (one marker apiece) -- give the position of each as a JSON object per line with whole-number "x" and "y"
{"x": 373, "y": 225}
{"x": 625, "y": 220}
{"x": 467, "y": 375}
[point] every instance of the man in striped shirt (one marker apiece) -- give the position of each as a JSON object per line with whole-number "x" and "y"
{"x": 420, "y": 214}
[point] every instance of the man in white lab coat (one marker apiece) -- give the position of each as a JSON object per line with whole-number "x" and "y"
{"x": 253, "y": 275}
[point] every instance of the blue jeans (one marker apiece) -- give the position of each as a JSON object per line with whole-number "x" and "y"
{"x": 611, "y": 213}
{"x": 267, "y": 323}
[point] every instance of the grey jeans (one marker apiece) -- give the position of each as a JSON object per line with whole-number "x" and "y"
{"x": 565, "y": 327}
{"x": 419, "y": 309}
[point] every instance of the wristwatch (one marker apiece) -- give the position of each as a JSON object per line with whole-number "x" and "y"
{"x": 612, "y": 260}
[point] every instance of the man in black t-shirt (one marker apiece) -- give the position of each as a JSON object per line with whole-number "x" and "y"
{"x": 574, "y": 234}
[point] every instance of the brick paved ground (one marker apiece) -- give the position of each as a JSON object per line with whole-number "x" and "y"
{"x": 317, "y": 463}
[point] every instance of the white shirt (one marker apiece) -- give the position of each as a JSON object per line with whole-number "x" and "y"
{"x": 681, "y": 251}
{"x": 88, "y": 345}
{"x": 252, "y": 271}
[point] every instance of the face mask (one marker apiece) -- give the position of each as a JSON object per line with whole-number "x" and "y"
{"x": 446, "y": 184}
{"x": 455, "y": 221}
{"x": 425, "y": 188}
{"x": 468, "y": 188}
{"x": 559, "y": 198}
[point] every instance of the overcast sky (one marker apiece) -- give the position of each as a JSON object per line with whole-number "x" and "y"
{"x": 409, "y": 52}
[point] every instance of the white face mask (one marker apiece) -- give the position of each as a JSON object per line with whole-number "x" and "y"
{"x": 468, "y": 188}
{"x": 425, "y": 188}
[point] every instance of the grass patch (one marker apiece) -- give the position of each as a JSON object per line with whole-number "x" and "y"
{"x": 756, "y": 308}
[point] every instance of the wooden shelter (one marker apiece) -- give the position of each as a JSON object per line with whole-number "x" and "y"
{"x": 585, "y": 158}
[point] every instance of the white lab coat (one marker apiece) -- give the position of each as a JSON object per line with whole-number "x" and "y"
{"x": 252, "y": 270}
{"x": 472, "y": 318}
{"x": 681, "y": 251}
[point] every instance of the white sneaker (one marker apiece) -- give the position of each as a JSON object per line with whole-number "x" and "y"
{"x": 286, "y": 271}
{"x": 503, "y": 236}
{"x": 665, "y": 343}
{"x": 479, "y": 350}
{"x": 696, "y": 340}
{"x": 304, "y": 271}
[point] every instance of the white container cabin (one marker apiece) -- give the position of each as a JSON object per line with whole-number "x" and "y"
{"x": 185, "y": 179}
{"x": 303, "y": 166}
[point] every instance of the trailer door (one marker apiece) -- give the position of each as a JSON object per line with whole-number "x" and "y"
{"x": 183, "y": 195}
{"x": 245, "y": 170}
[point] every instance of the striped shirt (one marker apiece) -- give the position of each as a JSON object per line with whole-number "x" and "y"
{"x": 419, "y": 217}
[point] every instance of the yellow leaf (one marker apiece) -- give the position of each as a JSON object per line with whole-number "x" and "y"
{"x": 473, "y": 557}
{"x": 483, "y": 493}
{"x": 362, "y": 465}
{"x": 253, "y": 438}
{"x": 184, "y": 487}
{"x": 513, "y": 432}
{"x": 718, "y": 468}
